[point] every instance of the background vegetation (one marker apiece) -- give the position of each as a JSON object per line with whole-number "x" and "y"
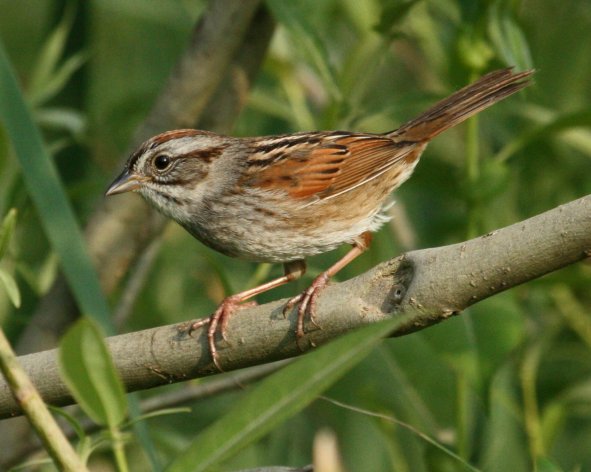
{"x": 507, "y": 386}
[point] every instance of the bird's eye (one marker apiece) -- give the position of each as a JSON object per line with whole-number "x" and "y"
{"x": 162, "y": 161}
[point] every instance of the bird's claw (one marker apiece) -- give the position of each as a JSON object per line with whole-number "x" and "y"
{"x": 218, "y": 322}
{"x": 306, "y": 302}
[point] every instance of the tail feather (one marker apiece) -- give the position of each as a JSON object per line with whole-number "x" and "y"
{"x": 461, "y": 105}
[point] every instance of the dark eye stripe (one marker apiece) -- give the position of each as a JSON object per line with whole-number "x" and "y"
{"x": 206, "y": 155}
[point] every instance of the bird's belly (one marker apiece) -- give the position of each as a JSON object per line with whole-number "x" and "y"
{"x": 281, "y": 235}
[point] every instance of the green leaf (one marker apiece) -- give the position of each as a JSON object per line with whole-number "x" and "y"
{"x": 66, "y": 119}
{"x": 270, "y": 104}
{"x": 157, "y": 413}
{"x": 87, "y": 369}
{"x": 508, "y": 38}
{"x": 6, "y": 231}
{"x": 71, "y": 420}
{"x": 308, "y": 41}
{"x": 40, "y": 277}
{"x": 49, "y": 196}
{"x": 49, "y": 56}
{"x": 58, "y": 79}
{"x": 11, "y": 288}
{"x": 281, "y": 396}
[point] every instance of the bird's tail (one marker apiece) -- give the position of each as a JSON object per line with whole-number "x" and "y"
{"x": 461, "y": 105}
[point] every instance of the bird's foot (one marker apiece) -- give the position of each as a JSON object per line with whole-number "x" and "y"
{"x": 218, "y": 322}
{"x": 306, "y": 302}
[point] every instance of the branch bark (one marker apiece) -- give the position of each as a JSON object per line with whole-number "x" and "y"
{"x": 433, "y": 284}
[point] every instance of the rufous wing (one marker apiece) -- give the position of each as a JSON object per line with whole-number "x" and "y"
{"x": 336, "y": 164}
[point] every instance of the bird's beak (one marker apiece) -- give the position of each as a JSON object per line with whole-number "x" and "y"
{"x": 126, "y": 182}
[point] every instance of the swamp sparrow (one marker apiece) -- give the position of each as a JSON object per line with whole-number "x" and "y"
{"x": 284, "y": 198}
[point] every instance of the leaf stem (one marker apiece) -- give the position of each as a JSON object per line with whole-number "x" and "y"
{"x": 119, "y": 449}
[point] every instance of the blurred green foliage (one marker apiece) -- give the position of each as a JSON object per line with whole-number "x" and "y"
{"x": 7, "y": 278}
{"x": 507, "y": 385}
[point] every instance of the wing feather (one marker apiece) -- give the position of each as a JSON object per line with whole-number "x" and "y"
{"x": 332, "y": 165}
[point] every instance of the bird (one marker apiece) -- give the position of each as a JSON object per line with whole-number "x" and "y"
{"x": 284, "y": 198}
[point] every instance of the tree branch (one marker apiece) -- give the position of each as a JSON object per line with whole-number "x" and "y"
{"x": 433, "y": 284}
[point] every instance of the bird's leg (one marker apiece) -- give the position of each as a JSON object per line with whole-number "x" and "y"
{"x": 306, "y": 300}
{"x": 221, "y": 316}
